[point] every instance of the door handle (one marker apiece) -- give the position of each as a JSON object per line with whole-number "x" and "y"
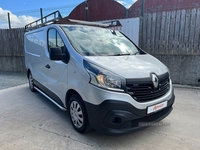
{"x": 47, "y": 66}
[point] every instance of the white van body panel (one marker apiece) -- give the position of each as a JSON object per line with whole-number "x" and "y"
{"x": 133, "y": 66}
{"x": 35, "y": 46}
{"x": 56, "y": 78}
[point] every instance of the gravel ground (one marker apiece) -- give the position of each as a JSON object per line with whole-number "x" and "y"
{"x": 10, "y": 79}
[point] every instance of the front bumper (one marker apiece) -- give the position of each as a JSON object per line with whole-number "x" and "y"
{"x": 119, "y": 117}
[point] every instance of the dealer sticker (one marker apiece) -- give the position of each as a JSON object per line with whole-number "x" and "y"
{"x": 156, "y": 107}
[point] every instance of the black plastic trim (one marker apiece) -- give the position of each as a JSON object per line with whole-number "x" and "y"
{"x": 54, "y": 97}
{"x": 146, "y": 80}
{"x": 48, "y": 92}
{"x": 39, "y": 85}
{"x": 143, "y": 90}
{"x": 111, "y": 117}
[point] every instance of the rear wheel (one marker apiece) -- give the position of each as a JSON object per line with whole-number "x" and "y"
{"x": 31, "y": 82}
{"x": 77, "y": 113}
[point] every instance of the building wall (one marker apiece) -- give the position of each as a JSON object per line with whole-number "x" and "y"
{"x": 109, "y": 9}
{"x": 151, "y": 6}
{"x": 78, "y": 12}
{"x": 99, "y": 10}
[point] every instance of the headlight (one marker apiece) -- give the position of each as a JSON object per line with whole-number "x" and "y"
{"x": 103, "y": 78}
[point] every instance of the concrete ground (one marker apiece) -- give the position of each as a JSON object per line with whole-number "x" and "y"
{"x": 28, "y": 121}
{"x": 10, "y": 79}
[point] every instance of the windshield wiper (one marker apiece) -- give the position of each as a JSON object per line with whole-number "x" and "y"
{"x": 121, "y": 54}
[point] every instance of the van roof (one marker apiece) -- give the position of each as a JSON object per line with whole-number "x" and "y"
{"x": 54, "y": 17}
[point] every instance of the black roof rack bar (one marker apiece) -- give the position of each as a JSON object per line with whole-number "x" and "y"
{"x": 51, "y": 18}
{"x": 107, "y": 24}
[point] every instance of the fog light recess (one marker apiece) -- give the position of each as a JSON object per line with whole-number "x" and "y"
{"x": 117, "y": 120}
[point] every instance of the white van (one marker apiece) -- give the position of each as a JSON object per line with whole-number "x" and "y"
{"x": 101, "y": 77}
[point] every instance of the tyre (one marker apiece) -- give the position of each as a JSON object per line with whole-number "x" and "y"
{"x": 77, "y": 113}
{"x": 31, "y": 82}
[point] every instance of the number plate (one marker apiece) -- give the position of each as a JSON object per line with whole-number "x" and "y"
{"x": 156, "y": 107}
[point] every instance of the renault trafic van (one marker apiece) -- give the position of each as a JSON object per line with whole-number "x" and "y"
{"x": 104, "y": 80}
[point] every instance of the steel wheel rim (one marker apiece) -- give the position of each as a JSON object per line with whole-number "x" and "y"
{"x": 76, "y": 114}
{"x": 31, "y": 81}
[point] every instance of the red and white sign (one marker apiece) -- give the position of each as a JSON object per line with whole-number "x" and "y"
{"x": 156, "y": 107}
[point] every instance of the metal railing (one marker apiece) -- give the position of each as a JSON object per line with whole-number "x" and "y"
{"x": 46, "y": 20}
{"x": 56, "y": 16}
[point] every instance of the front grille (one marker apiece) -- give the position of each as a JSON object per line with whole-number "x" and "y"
{"x": 142, "y": 90}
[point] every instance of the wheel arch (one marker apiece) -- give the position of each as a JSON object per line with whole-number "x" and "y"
{"x": 69, "y": 93}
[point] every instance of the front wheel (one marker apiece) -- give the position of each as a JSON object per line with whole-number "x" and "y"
{"x": 77, "y": 113}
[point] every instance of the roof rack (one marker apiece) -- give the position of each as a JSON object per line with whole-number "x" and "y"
{"x": 55, "y": 17}
{"x": 107, "y": 24}
{"x": 51, "y": 18}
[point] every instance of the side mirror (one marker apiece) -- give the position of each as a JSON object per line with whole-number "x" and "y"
{"x": 55, "y": 53}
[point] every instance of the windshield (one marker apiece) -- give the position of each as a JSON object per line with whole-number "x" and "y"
{"x": 93, "y": 41}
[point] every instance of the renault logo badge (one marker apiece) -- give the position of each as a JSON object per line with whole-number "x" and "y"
{"x": 155, "y": 81}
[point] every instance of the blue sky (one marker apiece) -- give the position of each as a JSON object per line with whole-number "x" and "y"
{"x": 23, "y": 12}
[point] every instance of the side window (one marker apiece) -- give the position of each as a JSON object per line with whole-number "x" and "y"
{"x": 59, "y": 41}
{"x": 54, "y": 40}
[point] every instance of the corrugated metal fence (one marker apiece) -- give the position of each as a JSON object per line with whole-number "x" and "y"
{"x": 173, "y": 32}
{"x": 11, "y": 50}
{"x": 174, "y": 38}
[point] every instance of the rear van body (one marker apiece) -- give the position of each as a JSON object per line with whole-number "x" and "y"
{"x": 100, "y": 76}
